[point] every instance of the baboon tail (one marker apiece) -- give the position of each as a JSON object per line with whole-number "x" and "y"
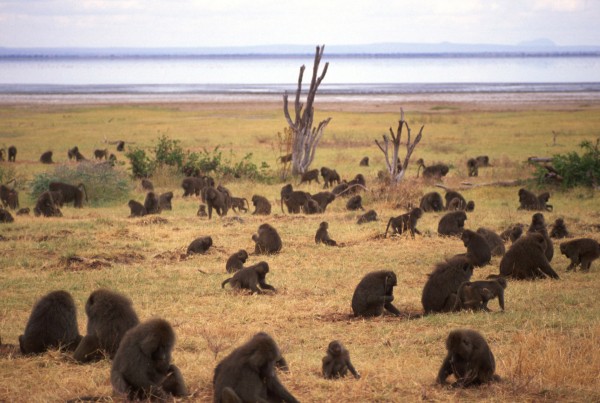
{"x": 388, "y": 227}
{"x": 225, "y": 282}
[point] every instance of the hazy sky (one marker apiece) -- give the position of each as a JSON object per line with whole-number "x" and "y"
{"x": 191, "y": 23}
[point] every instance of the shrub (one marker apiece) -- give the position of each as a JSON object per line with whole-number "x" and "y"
{"x": 141, "y": 165}
{"x": 169, "y": 152}
{"x": 575, "y": 169}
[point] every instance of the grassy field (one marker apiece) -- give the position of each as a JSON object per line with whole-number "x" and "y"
{"x": 546, "y": 343}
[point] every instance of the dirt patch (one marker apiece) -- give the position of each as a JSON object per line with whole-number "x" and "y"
{"x": 121, "y": 258}
{"x": 171, "y": 256}
{"x": 78, "y": 263}
{"x": 152, "y": 221}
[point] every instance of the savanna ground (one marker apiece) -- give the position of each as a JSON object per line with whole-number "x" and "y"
{"x": 546, "y": 344}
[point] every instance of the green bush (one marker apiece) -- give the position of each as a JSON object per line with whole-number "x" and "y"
{"x": 575, "y": 169}
{"x": 169, "y": 152}
{"x": 141, "y": 165}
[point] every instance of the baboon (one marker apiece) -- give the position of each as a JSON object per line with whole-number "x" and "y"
{"x": 405, "y": 222}
{"x": 12, "y": 154}
{"x": 236, "y": 261}
{"x": 323, "y": 199}
{"x": 337, "y": 362}
{"x": 354, "y": 203}
{"x": 46, "y": 158}
{"x": 295, "y": 200}
{"x": 46, "y": 206}
{"x": 469, "y": 358}
{"x": 475, "y": 295}
{"x": 434, "y": 171}
{"x": 120, "y": 146}
{"x": 23, "y": 211}
{"x": 472, "y": 167}
{"x": 251, "y": 278}
{"x": 215, "y": 199}
{"x": 137, "y": 209}
{"x": 374, "y": 293}
{"x": 285, "y": 158}
{"x": 100, "y": 154}
{"x": 529, "y": 201}
{"x": 526, "y": 259}
{"x": 164, "y": 201}
{"x": 478, "y": 250}
{"x": 329, "y": 177}
{"x": 52, "y": 323}
{"x": 192, "y": 186}
{"x": 452, "y": 223}
{"x": 311, "y": 207}
{"x": 451, "y": 205}
{"x": 457, "y": 204}
{"x": 309, "y": 176}
{"x": 356, "y": 184}
{"x": 110, "y": 315}
{"x": 439, "y": 292}
{"x": 559, "y": 229}
{"x": 74, "y": 153}
{"x": 513, "y": 233}
{"x": 202, "y": 211}
{"x": 432, "y": 202}
{"x": 112, "y": 159}
{"x": 248, "y": 374}
{"x": 147, "y": 185}
{"x": 369, "y": 216}
{"x": 262, "y": 206}
{"x": 1, "y": 154}
{"x": 364, "y": 162}
{"x": 470, "y": 206}
{"x": 199, "y": 245}
{"x": 239, "y": 204}
{"x": 483, "y": 161}
{"x": 57, "y": 197}
{"x": 493, "y": 240}
{"x": 70, "y": 193}
{"x": 322, "y": 236}
{"x": 151, "y": 203}
{"x": 142, "y": 367}
{"x": 340, "y": 189}
{"x": 5, "y": 216}
{"x": 267, "y": 240}
{"x": 286, "y": 191}
{"x": 12, "y": 200}
{"x": 582, "y": 251}
{"x": 538, "y": 224}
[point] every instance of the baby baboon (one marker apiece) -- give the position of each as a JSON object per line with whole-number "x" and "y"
{"x": 369, "y": 216}
{"x": 405, "y": 222}
{"x": 434, "y": 171}
{"x": 337, "y": 362}
{"x": 478, "y": 250}
{"x": 147, "y": 185}
{"x": 513, "y": 233}
{"x": 439, "y": 292}
{"x": 323, "y": 199}
{"x": 354, "y": 203}
{"x": 529, "y": 201}
{"x": 493, "y": 240}
{"x": 151, "y": 203}
{"x": 267, "y": 240}
{"x": 374, "y": 293}
{"x": 70, "y": 193}
{"x": 46, "y": 158}
{"x": 202, "y": 211}
{"x": 475, "y": 295}
{"x": 100, "y": 154}
{"x": 286, "y": 191}
{"x": 137, "y": 209}
{"x": 329, "y": 177}
{"x": 538, "y": 224}
{"x": 469, "y": 358}
{"x": 526, "y": 259}
{"x": 340, "y": 189}
{"x": 309, "y": 176}
{"x": 472, "y": 167}
{"x": 483, "y": 161}
{"x": 142, "y": 366}
{"x": 311, "y": 207}
{"x": 432, "y": 202}
{"x": 248, "y": 373}
{"x": 250, "y": 278}
{"x": 110, "y": 315}
{"x": 322, "y": 235}
{"x": 12, "y": 154}
{"x": 200, "y": 245}
{"x": 164, "y": 201}
{"x": 46, "y": 206}
{"x": 452, "y": 223}
{"x": 5, "y": 216}
{"x": 120, "y": 146}
{"x": 52, "y": 323}
{"x": 236, "y": 261}
{"x": 582, "y": 251}
{"x": 364, "y": 162}
{"x": 559, "y": 229}
{"x": 23, "y": 211}
{"x": 239, "y": 204}
{"x": 261, "y": 205}
{"x": 452, "y": 204}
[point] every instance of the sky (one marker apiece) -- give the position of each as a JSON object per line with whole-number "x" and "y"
{"x": 201, "y": 23}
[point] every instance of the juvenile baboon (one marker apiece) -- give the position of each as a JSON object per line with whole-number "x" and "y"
{"x": 5, "y": 216}
{"x": 200, "y": 245}
{"x": 142, "y": 367}
{"x": 137, "y": 209}
{"x": 369, "y": 216}
{"x": 112, "y": 160}
{"x": 100, "y": 154}
{"x": 311, "y": 207}
{"x": 405, "y": 222}
{"x": 309, "y": 176}
{"x": 52, "y": 323}
{"x": 559, "y": 229}
{"x": 538, "y": 224}
{"x": 285, "y": 158}
{"x": 432, "y": 202}
{"x": 356, "y": 184}
{"x": 478, "y": 250}
{"x": 340, "y": 189}
{"x": 236, "y": 261}
{"x": 451, "y": 204}
{"x": 251, "y": 278}
{"x": 286, "y": 191}
{"x": 322, "y": 236}
{"x": 529, "y": 201}
{"x": 46, "y": 206}
{"x": 74, "y": 153}
{"x": 330, "y": 176}
{"x": 9, "y": 197}
{"x": 151, "y": 203}
{"x": 23, "y": 211}
{"x": 201, "y": 211}
{"x": 46, "y": 158}
{"x": 582, "y": 251}
{"x": 452, "y": 223}
{"x": 337, "y": 362}
{"x": 110, "y": 314}
{"x": 526, "y": 259}
{"x": 267, "y": 240}
{"x": 147, "y": 185}
{"x": 469, "y": 358}
{"x": 434, "y": 171}
{"x": 262, "y": 206}
{"x": 70, "y": 193}
{"x": 164, "y": 201}
{"x": 493, "y": 240}
{"x": 354, "y": 203}
{"x": 248, "y": 374}
{"x": 483, "y": 161}
{"x": 323, "y": 199}
{"x": 472, "y": 167}
{"x": 439, "y": 292}
{"x": 475, "y": 295}
{"x": 470, "y": 206}
{"x": 296, "y": 200}
{"x": 374, "y": 293}
{"x": 364, "y": 162}
{"x": 239, "y": 204}
{"x": 215, "y": 199}
{"x": 513, "y": 233}
{"x": 12, "y": 154}
{"x": 120, "y": 146}
{"x": 192, "y": 186}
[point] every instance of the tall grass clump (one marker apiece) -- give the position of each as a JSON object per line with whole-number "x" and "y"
{"x": 575, "y": 169}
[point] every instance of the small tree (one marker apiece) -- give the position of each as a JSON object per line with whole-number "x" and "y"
{"x": 395, "y": 168}
{"x": 305, "y": 137}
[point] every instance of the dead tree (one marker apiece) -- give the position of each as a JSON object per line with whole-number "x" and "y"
{"x": 396, "y": 169}
{"x": 305, "y": 137}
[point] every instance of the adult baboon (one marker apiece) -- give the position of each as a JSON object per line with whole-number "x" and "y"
{"x": 267, "y": 240}
{"x": 469, "y": 358}
{"x": 354, "y": 203}
{"x": 369, "y": 216}
{"x": 374, "y": 293}
{"x": 236, "y": 261}
{"x": 192, "y": 186}
{"x": 137, "y": 209}
{"x": 262, "y": 206}
{"x": 337, "y": 362}
{"x": 529, "y": 201}
{"x": 215, "y": 199}
{"x": 483, "y": 161}
{"x": 70, "y": 193}
{"x": 110, "y": 314}
{"x": 405, "y": 222}
{"x": 364, "y": 162}
{"x": 323, "y": 199}
{"x": 248, "y": 374}
{"x": 478, "y": 250}
{"x": 538, "y": 224}
{"x": 147, "y": 185}
{"x": 340, "y": 189}
{"x": 582, "y": 251}
{"x": 330, "y": 176}
{"x": 52, "y": 323}
{"x": 470, "y": 206}
{"x": 559, "y": 229}
{"x": 101, "y": 154}
{"x": 439, "y": 292}
{"x": 12, "y": 154}
{"x": 472, "y": 167}
{"x": 5, "y": 216}
{"x": 251, "y": 278}
{"x": 295, "y": 200}
{"x": 493, "y": 240}
{"x": 475, "y": 295}
{"x": 120, "y": 145}
{"x": 142, "y": 367}
{"x": 432, "y": 202}
{"x": 164, "y": 201}
{"x": 526, "y": 259}
{"x": 286, "y": 191}
{"x": 452, "y": 223}
{"x": 199, "y": 245}
{"x": 46, "y": 158}
{"x": 322, "y": 236}
{"x": 452, "y": 205}
{"x": 239, "y": 204}
{"x": 434, "y": 171}
{"x": 151, "y": 203}
{"x": 309, "y": 176}
{"x": 513, "y": 233}
{"x": 46, "y": 206}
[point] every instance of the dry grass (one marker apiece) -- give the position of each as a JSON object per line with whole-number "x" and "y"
{"x": 546, "y": 344}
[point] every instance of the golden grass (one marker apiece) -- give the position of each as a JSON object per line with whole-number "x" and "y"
{"x": 546, "y": 344}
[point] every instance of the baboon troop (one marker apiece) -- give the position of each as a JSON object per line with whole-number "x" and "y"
{"x": 369, "y": 216}
{"x": 582, "y": 251}
{"x": 199, "y": 245}
{"x": 526, "y": 259}
{"x": 405, "y": 222}
{"x": 436, "y": 171}
{"x": 267, "y": 240}
{"x": 374, "y": 293}
{"x": 559, "y": 229}
{"x": 441, "y": 288}
{"x": 251, "y": 278}
{"x": 309, "y": 176}
{"x": 475, "y": 295}
{"x": 322, "y": 235}
{"x": 261, "y": 204}
{"x": 529, "y": 201}
{"x": 432, "y": 202}
{"x": 70, "y": 193}
{"x": 330, "y": 176}
{"x": 478, "y": 250}
{"x": 46, "y": 158}
{"x": 452, "y": 224}
{"x": 336, "y": 363}
{"x": 12, "y": 154}
{"x": 236, "y": 261}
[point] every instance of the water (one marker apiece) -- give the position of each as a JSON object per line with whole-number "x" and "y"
{"x": 383, "y": 74}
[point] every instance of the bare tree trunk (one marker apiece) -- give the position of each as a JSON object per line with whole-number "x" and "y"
{"x": 306, "y": 137}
